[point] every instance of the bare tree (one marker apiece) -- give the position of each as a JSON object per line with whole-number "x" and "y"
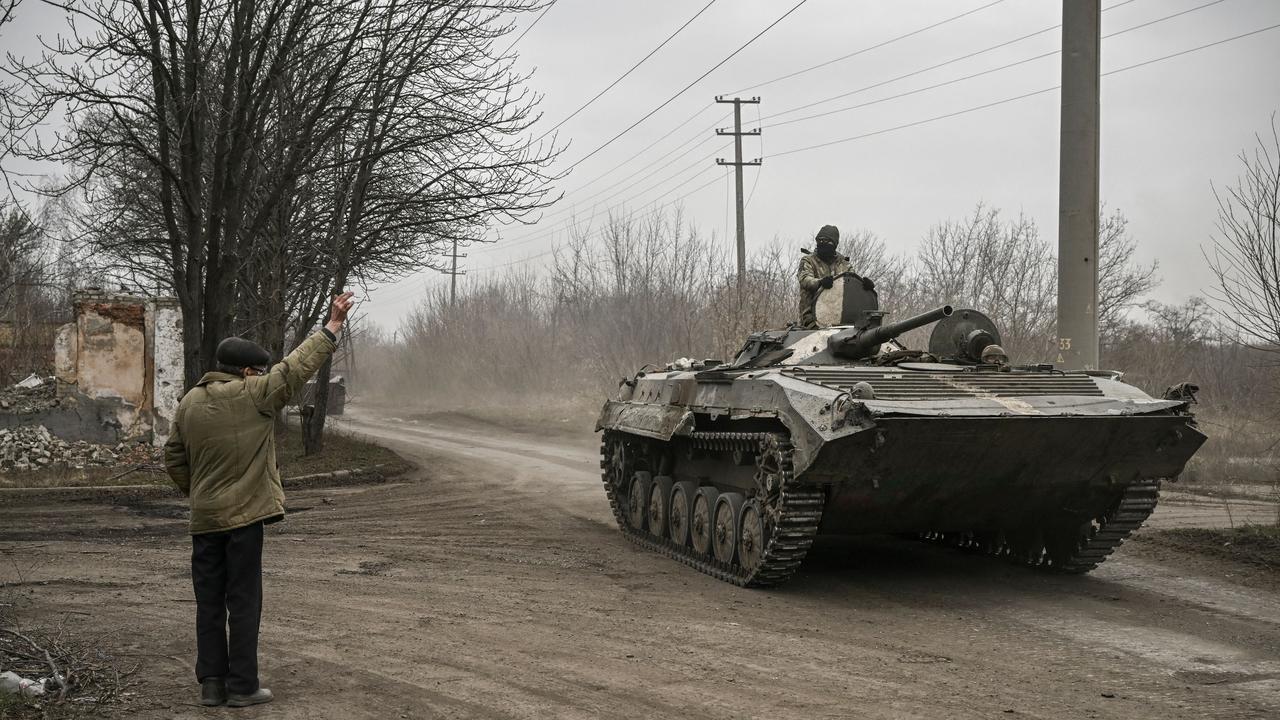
{"x": 32, "y": 302}
{"x": 1003, "y": 268}
{"x": 171, "y": 106}
{"x": 419, "y": 166}
{"x": 1122, "y": 281}
{"x": 8, "y": 127}
{"x": 1245, "y": 259}
{"x": 201, "y": 127}
{"x": 869, "y": 256}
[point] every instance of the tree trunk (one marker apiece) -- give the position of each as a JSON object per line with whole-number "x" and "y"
{"x": 313, "y": 419}
{"x": 192, "y": 338}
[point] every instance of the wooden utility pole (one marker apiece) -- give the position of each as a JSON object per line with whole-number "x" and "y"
{"x": 454, "y": 273}
{"x": 738, "y": 164}
{"x": 1078, "y": 186}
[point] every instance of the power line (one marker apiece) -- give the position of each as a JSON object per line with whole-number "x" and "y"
{"x": 526, "y": 238}
{"x": 699, "y": 112}
{"x": 552, "y": 231}
{"x": 877, "y": 101}
{"x": 669, "y": 133}
{"x": 624, "y": 75}
{"x": 1010, "y": 99}
{"x": 728, "y": 194}
{"x": 700, "y": 137}
{"x": 1019, "y": 97}
{"x": 867, "y": 49}
{"x": 970, "y": 76}
{"x": 756, "y": 180}
{"x": 664, "y": 104}
{"x": 531, "y": 26}
{"x": 880, "y": 84}
{"x": 983, "y": 51}
{"x": 923, "y": 122}
{"x": 562, "y": 225}
{"x": 628, "y": 216}
{"x": 570, "y": 208}
{"x": 686, "y": 88}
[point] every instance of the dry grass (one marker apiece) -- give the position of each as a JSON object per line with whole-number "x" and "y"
{"x": 1254, "y": 545}
{"x": 87, "y": 477}
{"x": 341, "y": 452}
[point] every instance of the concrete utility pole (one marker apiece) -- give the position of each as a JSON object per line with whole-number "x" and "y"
{"x": 1078, "y": 186}
{"x": 454, "y": 273}
{"x": 738, "y": 164}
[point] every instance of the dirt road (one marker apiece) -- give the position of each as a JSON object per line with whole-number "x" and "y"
{"x": 498, "y": 587}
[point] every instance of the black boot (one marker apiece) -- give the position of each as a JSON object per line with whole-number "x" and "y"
{"x": 213, "y": 691}
{"x": 263, "y": 695}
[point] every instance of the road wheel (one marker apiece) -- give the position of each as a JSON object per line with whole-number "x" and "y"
{"x": 638, "y": 498}
{"x": 701, "y": 524}
{"x": 659, "y": 504}
{"x": 724, "y": 538}
{"x": 680, "y": 515}
{"x": 751, "y": 536}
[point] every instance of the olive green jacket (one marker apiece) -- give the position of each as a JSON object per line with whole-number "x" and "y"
{"x": 810, "y": 273}
{"x": 222, "y": 449}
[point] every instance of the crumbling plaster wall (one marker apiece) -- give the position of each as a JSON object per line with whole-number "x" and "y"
{"x": 167, "y": 357}
{"x": 121, "y": 360}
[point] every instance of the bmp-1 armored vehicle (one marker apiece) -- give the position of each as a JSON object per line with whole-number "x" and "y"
{"x": 735, "y": 467}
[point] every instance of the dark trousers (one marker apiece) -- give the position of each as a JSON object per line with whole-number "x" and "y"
{"x": 226, "y": 570}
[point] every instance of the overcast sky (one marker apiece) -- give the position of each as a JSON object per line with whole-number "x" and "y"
{"x": 1168, "y": 129}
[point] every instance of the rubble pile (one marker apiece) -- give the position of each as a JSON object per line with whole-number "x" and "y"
{"x": 33, "y": 395}
{"x": 29, "y": 447}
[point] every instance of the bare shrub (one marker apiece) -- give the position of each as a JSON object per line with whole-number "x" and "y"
{"x": 1003, "y": 268}
{"x": 1121, "y": 280}
{"x": 1245, "y": 258}
{"x": 1237, "y": 397}
{"x": 640, "y": 289}
{"x": 33, "y": 299}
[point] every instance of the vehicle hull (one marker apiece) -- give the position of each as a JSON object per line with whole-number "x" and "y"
{"x": 956, "y": 474}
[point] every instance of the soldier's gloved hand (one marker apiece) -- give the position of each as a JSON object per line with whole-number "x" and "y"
{"x": 827, "y": 282}
{"x": 867, "y": 284}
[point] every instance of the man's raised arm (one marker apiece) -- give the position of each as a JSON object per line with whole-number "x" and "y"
{"x": 289, "y": 375}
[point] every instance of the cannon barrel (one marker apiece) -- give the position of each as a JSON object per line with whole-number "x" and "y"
{"x": 854, "y": 343}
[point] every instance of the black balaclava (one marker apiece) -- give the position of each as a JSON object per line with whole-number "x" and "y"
{"x": 827, "y": 239}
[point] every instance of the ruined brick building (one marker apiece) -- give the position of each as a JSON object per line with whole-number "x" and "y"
{"x": 118, "y": 366}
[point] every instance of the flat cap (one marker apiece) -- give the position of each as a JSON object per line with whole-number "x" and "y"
{"x": 829, "y": 232}
{"x": 241, "y": 353}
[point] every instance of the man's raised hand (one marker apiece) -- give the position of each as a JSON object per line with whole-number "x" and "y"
{"x": 342, "y": 304}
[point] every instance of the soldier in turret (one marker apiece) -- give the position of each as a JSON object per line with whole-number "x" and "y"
{"x": 818, "y": 271}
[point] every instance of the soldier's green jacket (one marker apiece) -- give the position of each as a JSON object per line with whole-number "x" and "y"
{"x": 222, "y": 450}
{"x": 812, "y": 270}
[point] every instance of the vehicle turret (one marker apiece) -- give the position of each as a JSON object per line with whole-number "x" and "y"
{"x": 856, "y": 343}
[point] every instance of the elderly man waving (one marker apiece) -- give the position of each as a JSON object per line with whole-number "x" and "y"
{"x": 222, "y": 455}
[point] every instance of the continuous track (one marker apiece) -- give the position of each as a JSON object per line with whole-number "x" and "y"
{"x": 792, "y": 511}
{"x": 1073, "y": 550}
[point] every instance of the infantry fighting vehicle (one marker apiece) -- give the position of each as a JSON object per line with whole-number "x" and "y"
{"x": 735, "y": 467}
